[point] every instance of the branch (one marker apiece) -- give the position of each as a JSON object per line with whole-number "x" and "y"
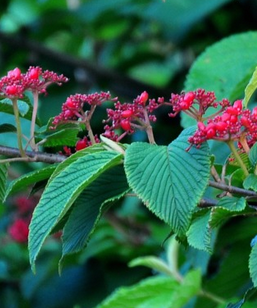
{"x": 205, "y": 203}
{"x": 233, "y": 189}
{"x": 37, "y": 156}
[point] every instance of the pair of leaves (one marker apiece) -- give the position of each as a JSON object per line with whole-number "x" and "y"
{"x": 200, "y": 234}
{"x": 169, "y": 180}
{"x": 64, "y": 188}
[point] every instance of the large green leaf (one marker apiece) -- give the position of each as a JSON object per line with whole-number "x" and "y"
{"x": 221, "y": 67}
{"x": 61, "y": 193}
{"x": 154, "y": 292}
{"x": 169, "y": 180}
{"x": 189, "y": 287}
{"x": 88, "y": 208}
{"x": 71, "y": 159}
{"x": 29, "y": 179}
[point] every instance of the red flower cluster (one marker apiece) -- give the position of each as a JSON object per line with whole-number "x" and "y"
{"x": 35, "y": 79}
{"x": 75, "y": 105}
{"x": 131, "y": 116}
{"x": 232, "y": 123}
{"x": 195, "y": 103}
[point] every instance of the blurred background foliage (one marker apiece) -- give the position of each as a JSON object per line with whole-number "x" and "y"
{"x": 125, "y": 46}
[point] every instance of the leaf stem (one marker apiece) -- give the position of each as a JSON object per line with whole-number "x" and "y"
{"x": 212, "y": 297}
{"x": 233, "y": 149}
{"x": 18, "y": 125}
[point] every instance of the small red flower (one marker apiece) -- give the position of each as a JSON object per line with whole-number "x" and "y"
{"x": 12, "y": 90}
{"x": 189, "y": 97}
{"x": 125, "y": 124}
{"x": 127, "y": 113}
{"x": 34, "y": 72}
{"x": 143, "y": 98}
{"x": 81, "y": 144}
{"x": 14, "y": 74}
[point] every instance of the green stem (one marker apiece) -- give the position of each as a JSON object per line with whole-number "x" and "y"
{"x": 172, "y": 254}
{"x": 233, "y": 149}
{"x": 212, "y": 297}
{"x": 18, "y": 126}
{"x": 33, "y": 121}
{"x": 149, "y": 129}
{"x": 88, "y": 126}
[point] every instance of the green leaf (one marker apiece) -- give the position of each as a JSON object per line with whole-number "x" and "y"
{"x": 61, "y": 193}
{"x": 71, "y": 159}
{"x": 24, "y": 106}
{"x": 253, "y": 155}
{"x": 29, "y": 179}
{"x": 189, "y": 287}
{"x": 251, "y": 87}
{"x": 199, "y": 233}
{"x": 212, "y": 70}
{"x": 227, "y": 207}
{"x": 232, "y": 204}
{"x": 66, "y": 137}
{"x": 7, "y": 128}
{"x": 253, "y": 265}
{"x": 222, "y": 69}
{"x": 157, "y": 290}
{"x": 152, "y": 262}
{"x": 243, "y": 301}
{"x": 109, "y": 186}
{"x": 250, "y": 182}
{"x": 169, "y": 180}
{"x": 3, "y": 180}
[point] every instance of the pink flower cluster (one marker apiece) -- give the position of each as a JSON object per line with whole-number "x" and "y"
{"x": 75, "y": 107}
{"x": 131, "y": 116}
{"x": 229, "y": 122}
{"x": 14, "y": 84}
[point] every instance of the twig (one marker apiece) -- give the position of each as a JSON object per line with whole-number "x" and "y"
{"x": 37, "y": 156}
{"x": 205, "y": 203}
{"x": 233, "y": 189}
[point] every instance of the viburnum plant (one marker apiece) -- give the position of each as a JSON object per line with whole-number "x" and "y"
{"x": 181, "y": 183}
